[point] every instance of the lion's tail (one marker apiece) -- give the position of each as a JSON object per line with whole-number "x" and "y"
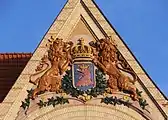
{"x": 128, "y": 71}
{"x": 37, "y": 80}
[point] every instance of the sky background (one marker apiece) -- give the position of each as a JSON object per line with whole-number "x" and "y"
{"x": 142, "y": 24}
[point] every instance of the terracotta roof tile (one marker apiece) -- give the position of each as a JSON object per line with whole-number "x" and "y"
{"x": 11, "y": 65}
{"x": 4, "y": 56}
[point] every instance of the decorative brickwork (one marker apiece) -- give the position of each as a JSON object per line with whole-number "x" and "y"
{"x": 75, "y": 15}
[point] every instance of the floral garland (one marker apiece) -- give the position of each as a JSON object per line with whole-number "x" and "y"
{"x": 115, "y": 101}
{"x": 99, "y": 89}
{"x": 53, "y": 101}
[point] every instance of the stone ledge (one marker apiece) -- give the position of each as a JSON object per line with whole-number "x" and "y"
{"x": 64, "y": 14}
{"x": 11, "y": 96}
{"x": 106, "y": 27}
{"x": 89, "y": 3}
{"x": 14, "y": 108}
{"x": 21, "y": 81}
{"x": 97, "y": 14}
{"x": 146, "y": 81}
{"x": 39, "y": 53}
{"x": 119, "y": 42}
{"x": 126, "y": 54}
{"x": 4, "y": 107}
{"x": 71, "y": 4}
{"x": 155, "y": 93}
{"x": 135, "y": 66}
{"x": 56, "y": 26}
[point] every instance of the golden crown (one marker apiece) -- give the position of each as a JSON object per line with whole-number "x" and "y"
{"x": 83, "y": 66}
{"x": 81, "y": 50}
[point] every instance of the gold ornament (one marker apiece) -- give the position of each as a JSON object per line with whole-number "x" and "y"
{"x": 107, "y": 60}
{"x": 59, "y": 57}
{"x": 81, "y": 50}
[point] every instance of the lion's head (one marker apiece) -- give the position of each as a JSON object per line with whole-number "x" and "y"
{"x": 107, "y": 50}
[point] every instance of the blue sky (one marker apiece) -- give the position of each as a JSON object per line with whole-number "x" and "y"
{"x": 141, "y": 23}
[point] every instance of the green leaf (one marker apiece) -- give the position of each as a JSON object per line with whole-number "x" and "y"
{"x": 23, "y": 105}
{"x": 27, "y": 100}
{"x": 41, "y": 104}
{"x": 143, "y": 103}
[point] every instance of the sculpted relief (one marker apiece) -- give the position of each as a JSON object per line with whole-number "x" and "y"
{"x": 106, "y": 58}
{"x": 83, "y": 59}
{"x": 59, "y": 57}
{"x": 83, "y": 72}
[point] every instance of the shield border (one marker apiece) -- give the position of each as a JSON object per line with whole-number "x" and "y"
{"x": 73, "y": 81}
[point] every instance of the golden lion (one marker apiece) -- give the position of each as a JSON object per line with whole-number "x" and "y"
{"x": 106, "y": 59}
{"x": 59, "y": 56}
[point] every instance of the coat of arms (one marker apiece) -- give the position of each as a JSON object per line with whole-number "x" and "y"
{"x": 83, "y": 70}
{"x": 83, "y": 81}
{"x": 82, "y": 78}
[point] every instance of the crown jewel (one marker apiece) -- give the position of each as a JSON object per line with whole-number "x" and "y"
{"x": 81, "y": 50}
